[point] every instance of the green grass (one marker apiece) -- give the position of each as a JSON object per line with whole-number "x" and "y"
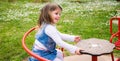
{"x": 88, "y": 20}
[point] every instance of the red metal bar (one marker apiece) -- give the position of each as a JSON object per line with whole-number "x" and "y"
{"x": 115, "y": 34}
{"x": 118, "y": 28}
{"x": 112, "y": 56}
{"x": 28, "y": 50}
{"x": 117, "y": 43}
{"x": 111, "y": 38}
{"x": 94, "y": 58}
{"x": 114, "y": 18}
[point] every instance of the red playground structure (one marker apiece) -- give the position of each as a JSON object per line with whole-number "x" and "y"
{"x": 28, "y": 50}
{"x": 116, "y": 34}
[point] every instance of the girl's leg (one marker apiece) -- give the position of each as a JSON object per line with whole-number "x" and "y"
{"x": 59, "y": 56}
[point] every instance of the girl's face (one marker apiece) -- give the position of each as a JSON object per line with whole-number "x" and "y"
{"x": 56, "y": 15}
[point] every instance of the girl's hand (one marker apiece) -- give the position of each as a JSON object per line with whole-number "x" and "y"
{"x": 77, "y": 39}
{"x": 78, "y": 51}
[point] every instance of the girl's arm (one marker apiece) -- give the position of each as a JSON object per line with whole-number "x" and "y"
{"x": 66, "y": 37}
{"x": 69, "y": 37}
{"x": 51, "y": 31}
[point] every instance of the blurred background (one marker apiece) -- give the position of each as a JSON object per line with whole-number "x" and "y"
{"x": 86, "y": 18}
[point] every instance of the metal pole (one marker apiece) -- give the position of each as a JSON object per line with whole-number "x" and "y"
{"x": 118, "y": 28}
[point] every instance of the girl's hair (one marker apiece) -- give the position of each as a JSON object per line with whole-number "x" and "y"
{"x": 45, "y": 16}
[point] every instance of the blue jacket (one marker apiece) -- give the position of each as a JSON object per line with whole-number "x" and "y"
{"x": 48, "y": 42}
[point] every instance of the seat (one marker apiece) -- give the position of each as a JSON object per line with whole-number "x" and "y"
{"x": 29, "y": 51}
{"x": 113, "y": 35}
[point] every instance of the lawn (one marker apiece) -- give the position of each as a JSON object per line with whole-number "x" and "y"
{"x": 86, "y": 19}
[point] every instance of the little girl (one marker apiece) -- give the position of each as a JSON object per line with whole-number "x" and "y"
{"x": 48, "y": 36}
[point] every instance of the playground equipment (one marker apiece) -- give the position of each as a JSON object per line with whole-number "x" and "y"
{"x": 113, "y": 35}
{"x": 117, "y": 43}
{"x": 117, "y": 34}
{"x": 28, "y": 50}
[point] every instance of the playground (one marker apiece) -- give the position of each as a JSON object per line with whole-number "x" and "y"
{"x": 88, "y": 19}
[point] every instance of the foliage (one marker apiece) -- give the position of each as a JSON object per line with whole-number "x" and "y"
{"x": 88, "y": 20}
